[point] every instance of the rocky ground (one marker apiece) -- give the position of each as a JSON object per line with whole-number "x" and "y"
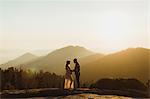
{"x": 81, "y": 93}
{"x": 85, "y": 96}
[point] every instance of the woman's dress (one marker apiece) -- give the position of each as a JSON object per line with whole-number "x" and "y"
{"x": 68, "y": 79}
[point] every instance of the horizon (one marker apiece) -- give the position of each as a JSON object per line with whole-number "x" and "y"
{"x": 46, "y": 52}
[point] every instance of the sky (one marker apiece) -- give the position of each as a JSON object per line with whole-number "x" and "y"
{"x": 100, "y": 25}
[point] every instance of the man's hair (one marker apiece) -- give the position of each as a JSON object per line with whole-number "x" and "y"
{"x": 75, "y": 60}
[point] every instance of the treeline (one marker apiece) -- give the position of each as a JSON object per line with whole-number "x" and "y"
{"x": 13, "y": 78}
{"x": 120, "y": 84}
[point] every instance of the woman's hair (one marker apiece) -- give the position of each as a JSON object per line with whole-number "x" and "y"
{"x": 67, "y": 62}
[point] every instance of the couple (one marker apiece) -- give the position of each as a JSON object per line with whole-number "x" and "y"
{"x": 69, "y": 81}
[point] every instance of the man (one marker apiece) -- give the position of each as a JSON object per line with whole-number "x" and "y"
{"x": 77, "y": 72}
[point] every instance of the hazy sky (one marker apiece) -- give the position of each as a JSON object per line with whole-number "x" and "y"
{"x": 100, "y": 25}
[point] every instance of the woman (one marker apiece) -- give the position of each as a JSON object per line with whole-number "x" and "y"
{"x": 68, "y": 77}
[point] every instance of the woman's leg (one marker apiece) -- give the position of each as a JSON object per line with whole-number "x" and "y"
{"x": 65, "y": 84}
{"x": 71, "y": 81}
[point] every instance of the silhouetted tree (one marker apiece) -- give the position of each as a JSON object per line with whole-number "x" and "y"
{"x": 13, "y": 78}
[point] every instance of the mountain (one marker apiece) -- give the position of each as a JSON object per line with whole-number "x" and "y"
{"x": 130, "y": 63}
{"x": 27, "y": 57}
{"x": 90, "y": 58}
{"x": 41, "y": 52}
{"x": 55, "y": 61}
{"x": 9, "y": 54}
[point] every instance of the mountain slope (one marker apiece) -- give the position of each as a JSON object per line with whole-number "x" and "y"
{"x": 55, "y": 61}
{"x": 27, "y": 57}
{"x": 88, "y": 59}
{"x": 130, "y": 63}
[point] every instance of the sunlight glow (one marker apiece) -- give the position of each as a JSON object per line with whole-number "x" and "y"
{"x": 112, "y": 24}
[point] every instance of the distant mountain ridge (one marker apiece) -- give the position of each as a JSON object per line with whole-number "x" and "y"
{"x": 27, "y": 57}
{"x": 55, "y": 61}
{"x": 129, "y": 63}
